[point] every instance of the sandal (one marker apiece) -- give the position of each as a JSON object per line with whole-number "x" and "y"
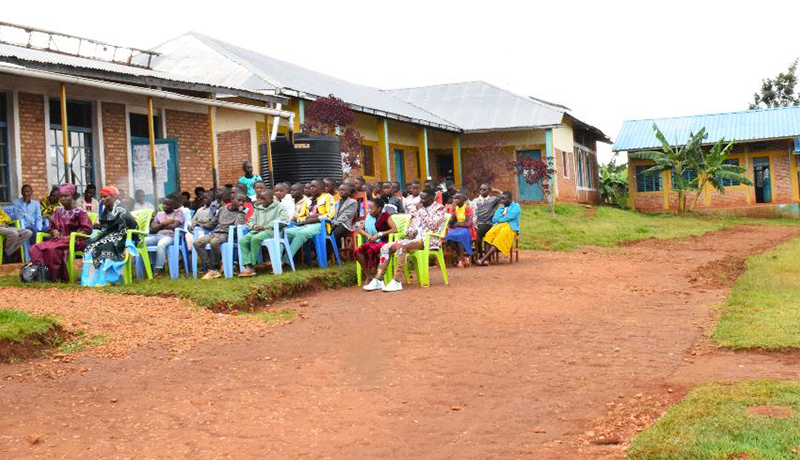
{"x": 482, "y": 264}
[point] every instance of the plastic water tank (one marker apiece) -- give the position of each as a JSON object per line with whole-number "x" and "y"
{"x": 306, "y": 159}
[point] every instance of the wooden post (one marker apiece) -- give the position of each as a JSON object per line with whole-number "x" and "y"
{"x": 68, "y": 176}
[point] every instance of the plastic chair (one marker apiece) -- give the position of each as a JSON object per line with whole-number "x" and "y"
{"x": 321, "y": 247}
{"x": 142, "y": 217}
{"x": 73, "y": 238}
{"x": 175, "y": 251}
{"x": 273, "y": 246}
{"x": 401, "y": 222}
{"x": 421, "y": 257}
{"x": 226, "y": 250}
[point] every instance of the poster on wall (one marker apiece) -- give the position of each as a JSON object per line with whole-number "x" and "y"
{"x": 142, "y": 174}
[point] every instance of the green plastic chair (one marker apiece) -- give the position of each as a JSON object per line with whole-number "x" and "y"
{"x": 401, "y": 222}
{"x": 142, "y": 217}
{"x": 14, "y": 223}
{"x": 73, "y": 238}
{"x": 421, "y": 257}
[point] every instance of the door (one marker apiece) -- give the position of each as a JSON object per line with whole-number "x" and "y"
{"x": 444, "y": 167}
{"x": 400, "y": 168}
{"x": 529, "y": 192}
{"x": 168, "y": 179}
{"x": 763, "y": 181}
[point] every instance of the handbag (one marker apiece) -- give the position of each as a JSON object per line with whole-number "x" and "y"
{"x": 34, "y": 272}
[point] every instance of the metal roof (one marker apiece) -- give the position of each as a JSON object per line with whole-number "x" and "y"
{"x": 732, "y": 126}
{"x": 478, "y": 106}
{"x": 196, "y": 55}
{"x": 67, "y": 64}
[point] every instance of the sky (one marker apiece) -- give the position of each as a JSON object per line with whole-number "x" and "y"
{"x": 607, "y": 61}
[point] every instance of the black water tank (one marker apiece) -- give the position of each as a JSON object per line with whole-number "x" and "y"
{"x": 308, "y": 158}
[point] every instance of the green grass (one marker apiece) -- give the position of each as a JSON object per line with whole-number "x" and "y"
{"x": 575, "y": 226}
{"x": 223, "y": 292}
{"x": 711, "y": 424}
{"x": 17, "y": 325}
{"x": 763, "y": 309}
{"x": 82, "y": 342}
{"x": 275, "y": 317}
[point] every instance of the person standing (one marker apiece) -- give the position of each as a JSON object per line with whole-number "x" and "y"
{"x": 249, "y": 179}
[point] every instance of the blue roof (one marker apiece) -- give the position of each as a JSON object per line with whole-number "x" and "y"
{"x": 749, "y": 125}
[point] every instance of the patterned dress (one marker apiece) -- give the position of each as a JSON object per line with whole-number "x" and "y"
{"x": 53, "y": 253}
{"x": 425, "y": 220}
{"x": 104, "y": 256}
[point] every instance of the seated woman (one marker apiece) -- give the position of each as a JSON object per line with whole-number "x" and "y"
{"x": 64, "y": 221}
{"x": 104, "y": 256}
{"x": 377, "y": 226}
{"x": 505, "y": 227}
{"x": 461, "y": 233}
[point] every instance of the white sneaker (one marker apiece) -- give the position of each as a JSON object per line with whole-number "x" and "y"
{"x": 374, "y": 285}
{"x": 393, "y": 286}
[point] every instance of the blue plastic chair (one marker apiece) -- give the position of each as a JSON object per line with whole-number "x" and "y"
{"x": 175, "y": 251}
{"x": 322, "y": 248}
{"x": 273, "y": 246}
{"x": 225, "y": 248}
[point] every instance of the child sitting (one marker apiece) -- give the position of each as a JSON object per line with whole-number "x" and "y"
{"x": 219, "y": 225}
{"x": 377, "y": 227}
{"x": 462, "y": 232}
{"x": 260, "y": 226}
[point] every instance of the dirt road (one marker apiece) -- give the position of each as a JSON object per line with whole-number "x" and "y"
{"x": 519, "y": 361}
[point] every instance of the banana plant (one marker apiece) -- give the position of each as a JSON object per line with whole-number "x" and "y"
{"x": 712, "y": 169}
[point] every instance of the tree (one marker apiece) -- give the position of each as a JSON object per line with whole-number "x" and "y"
{"x": 614, "y": 183}
{"x": 481, "y": 162}
{"x": 709, "y": 166}
{"x": 537, "y": 172}
{"x": 330, "y": 116}
{"x": 778, "y": 92}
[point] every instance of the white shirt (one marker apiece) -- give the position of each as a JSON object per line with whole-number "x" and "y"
{"x": 93, "y": 206}
{"x": 288, "y": 203}
{"x": 411, "y": 203}
{"x": 146, "y": 205}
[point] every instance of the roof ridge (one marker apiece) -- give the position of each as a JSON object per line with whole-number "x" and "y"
{"x": 388, "y": 93}
{"x": 436, "y": 85}
{"x": 716, "y": 114}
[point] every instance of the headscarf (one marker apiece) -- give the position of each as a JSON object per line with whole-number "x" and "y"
{"x": 109, "y": 190}
{"x": 66, "y": 188}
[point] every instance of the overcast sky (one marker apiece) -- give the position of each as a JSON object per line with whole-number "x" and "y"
{"x": 608, "y": 61}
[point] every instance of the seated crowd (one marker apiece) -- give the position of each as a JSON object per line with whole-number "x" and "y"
{"x": 486, "y": 225}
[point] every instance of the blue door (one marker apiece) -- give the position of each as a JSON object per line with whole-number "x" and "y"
{"x": 167, "y": 166}
{"x": 529, "y": 192}
{"x": 400, "y": 168}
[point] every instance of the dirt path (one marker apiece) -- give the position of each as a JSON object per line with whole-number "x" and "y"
{"x": 508, "y": 362}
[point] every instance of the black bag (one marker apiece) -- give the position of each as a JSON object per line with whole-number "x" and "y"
{"x": 34, "y": 272}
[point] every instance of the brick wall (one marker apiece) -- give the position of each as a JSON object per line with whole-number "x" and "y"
{"x": 234, "y": 149}
{"x": 194, "y": 147}
{"x": 566, "y": 186}
{"x": 504, "y": 179}
{"x": 115, "y": 145}
{"x": 33, "y": 144}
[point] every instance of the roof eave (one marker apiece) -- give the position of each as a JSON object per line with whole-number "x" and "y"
{"x": 761, "y": 139}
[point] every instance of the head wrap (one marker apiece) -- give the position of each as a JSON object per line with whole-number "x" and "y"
{"x": 65, "y": 188}
{"x": 109, "y": 190}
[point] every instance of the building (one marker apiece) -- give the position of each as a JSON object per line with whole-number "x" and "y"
{"x": 196, "y": 81}
{"x": 767, "y": 144}
{"x": 409, "y": 134}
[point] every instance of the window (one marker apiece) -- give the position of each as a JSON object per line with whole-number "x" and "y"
{"x": 367, "y": 161}
{"x": 5, "y": 162}
{"x": 688, "y": 176}
{"x": 140, "y": 128}
{"x": 579, "y": 161}
{"x": 647, "y": 182}
{"x": 730, "y": 182}
{"x": 81, "y": 153}
{"x": 565, "y": 164}
{"x": 588, "y": 180}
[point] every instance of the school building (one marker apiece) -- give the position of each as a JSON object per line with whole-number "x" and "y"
{"x": 216, "y": 104}
{"x": 767, "y": 146}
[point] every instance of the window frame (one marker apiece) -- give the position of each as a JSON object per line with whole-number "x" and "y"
{"x": 363, "y": 155}
{"x": 658, "y": 184}
{"x": 565, "y": 163}
{"x": 5, "y": 154}
{"x": 54, "y": 145}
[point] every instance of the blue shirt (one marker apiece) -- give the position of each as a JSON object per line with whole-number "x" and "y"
{"x": 30, "y": 214}
{"x": 511, "y": 215}
{"x": 250, "y": 182}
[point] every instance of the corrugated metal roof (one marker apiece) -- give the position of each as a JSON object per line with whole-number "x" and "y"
{"x": 477, "y": 105}
{"x": 21, "y": 55}
{"x": 197, "y": 55}
{"x": 732, "y": 126}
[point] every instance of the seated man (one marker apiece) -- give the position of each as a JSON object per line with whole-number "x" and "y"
{"x": 28, "y": 212}
{"x": 428, "y": 218}
{"x": 302, "y": 203}
{"x": 226, "y": 215}
{"x": 345, "y": 213}
{"x": 162, "y": 230}
{"x": 14, "y": 237}
{"x": 324, "y": 208}
{"x": 260, "y": 226}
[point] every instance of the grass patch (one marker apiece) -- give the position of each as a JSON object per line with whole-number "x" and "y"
{"x": 227, "y": 293}
{"x": 576, "y": 226}
{"x": 16, "y": 325}
{"x": 763, "y": 309}
{"x": 712, "y": 423}
{"x": 82, "y": 342}
{"x": 276, "y": 317}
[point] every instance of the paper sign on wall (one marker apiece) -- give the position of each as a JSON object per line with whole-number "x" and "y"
{"x": 142, "y": 174}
